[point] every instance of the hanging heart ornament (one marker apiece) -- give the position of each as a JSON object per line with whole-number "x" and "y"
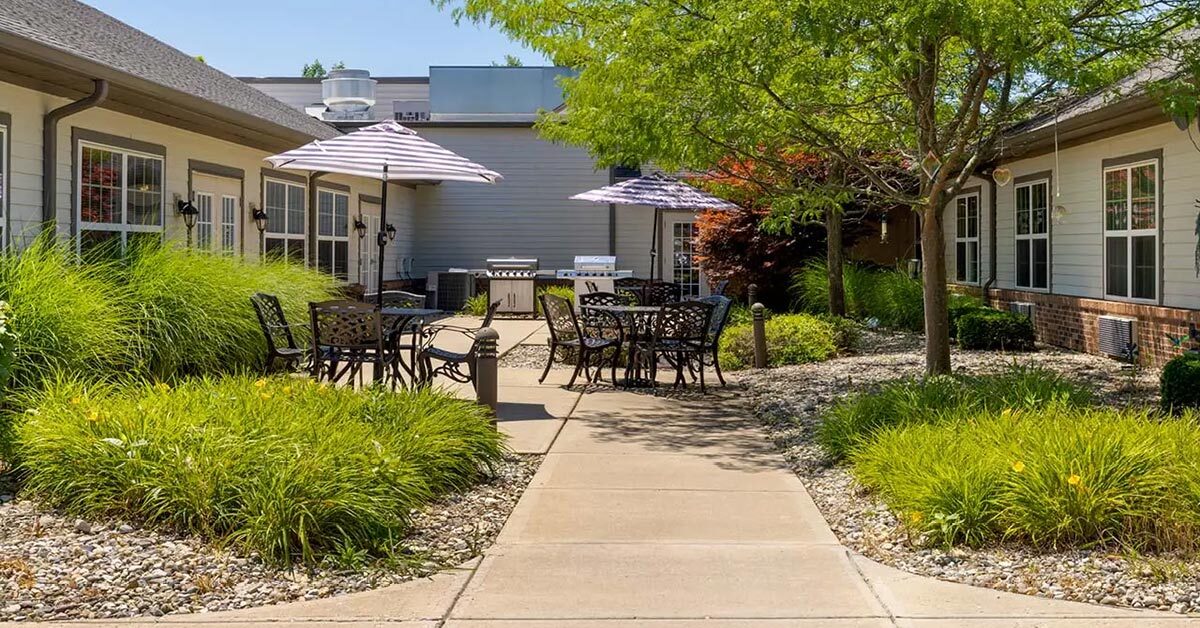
{"x": 1002, "y": 176}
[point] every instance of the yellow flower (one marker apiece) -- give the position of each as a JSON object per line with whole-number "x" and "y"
{"x": 287, "y": 390}
{"x": 915, "y": 517}
{"x": 74, "y": 401}
{"x": 94, "y": 416}
{"x": 1074, "y": 480}
{"x": 1005, "y": 413}
{"x": 1018, "y": 466}
{"x": 163, "y": 386}
{"x": 260, "y": 383}
{"x": 265, "y": 395}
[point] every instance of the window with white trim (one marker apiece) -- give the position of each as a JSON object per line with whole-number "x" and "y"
{"x": 284, "y": 236}
{"x": 333, "y": 233}
{"x": 204, "y": 221}
{"x": 229, "y": 206}
{"x": 1033, "y": 235}
{"x": 3, "y": 187}
{"x": 966, "y": 238}
{"x": 1131, "y": 231}
{"x": 120, "y": 196}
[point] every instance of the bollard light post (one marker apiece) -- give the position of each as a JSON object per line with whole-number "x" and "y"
{"x": 752, "y": 294}
{"x": 760, "y": 336}
{"x": 486, "y": 369}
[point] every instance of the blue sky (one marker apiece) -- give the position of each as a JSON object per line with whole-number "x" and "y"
{"x": 277, "y": 37}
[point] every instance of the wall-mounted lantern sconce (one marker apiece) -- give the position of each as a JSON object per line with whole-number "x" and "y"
{"x": 360, "y": 227}
{"x": 260, "y": 221}
{"x": 189, "y": 213}
{"x": 391, "y": 232}
{"x": 883, "y": 228}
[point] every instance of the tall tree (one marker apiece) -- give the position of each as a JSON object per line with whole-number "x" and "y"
{"x": 687, "y": 82}
{"x": 313, "y": 70}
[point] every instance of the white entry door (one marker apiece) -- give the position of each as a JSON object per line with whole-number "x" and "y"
{"x": 218, "y": 199}
{"x": 368, "y": 258}
{"x": 679, "y": 264}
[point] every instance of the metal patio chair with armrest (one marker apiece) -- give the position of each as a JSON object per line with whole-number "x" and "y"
{"x": 716, "y": 327}
{"x": 661, "y": 293}
{"x": 396, "y": 298}
{"x": 348, "y": 335}
{"x": 588, "y": 341}
{"x": 281, "y": 341}
{"x": 679, "y": 334}
{"x": 457, "y": 366}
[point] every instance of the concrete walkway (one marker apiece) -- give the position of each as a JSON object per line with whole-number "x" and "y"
{"x": 669, "y": 513}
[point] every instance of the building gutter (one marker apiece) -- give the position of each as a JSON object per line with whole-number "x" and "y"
{"x": 50, "y": 147}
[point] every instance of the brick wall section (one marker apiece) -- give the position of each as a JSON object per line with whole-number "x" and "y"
{"x": 1071, "y": 322}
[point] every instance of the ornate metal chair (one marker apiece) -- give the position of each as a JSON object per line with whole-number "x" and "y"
{"x": 396, "y": 298}
{"x": 719, "y": 289}
{"x": 281, "y": 342}
{"x": 679, "y": 335}
{"x": 458, "y": 366}
{"x": 567, "y": 333}
{"x": 716, "y": 327}
{"x": 347, "y": 334}
{"x": 661, "y": 293}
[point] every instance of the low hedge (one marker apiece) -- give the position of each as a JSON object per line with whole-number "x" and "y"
{"x": 285, "y": 467}
{"x": 791, "y": 339}
{"x": 960, "y": 305}
{"x": 1180, "y": 383}
{"x": 989, "y": 329}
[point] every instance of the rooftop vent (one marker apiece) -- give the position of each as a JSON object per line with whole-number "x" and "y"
{"x": 349, "y": 94}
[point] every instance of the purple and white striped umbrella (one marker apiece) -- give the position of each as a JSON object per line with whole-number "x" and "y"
{"x": 655, "y": 190}
{"x": 388, "y": 147}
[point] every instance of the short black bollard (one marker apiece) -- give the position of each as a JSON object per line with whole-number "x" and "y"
{"x": 486, "y": 369}
{"x": 760, "y": 336}
{"x": 752, "y": 294}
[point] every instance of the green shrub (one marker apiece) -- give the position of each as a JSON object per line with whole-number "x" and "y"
{"x": 791, "y": 339}
{"x": 476, "y": 305}
{"x": 1180, "y": 382}
{"x": 67, "y": 316}
{"x": 855, "y": 420}
{"x": 890, "y": 296}
{"x": 195, "y": 312}
{"x": 566, "y": 292}
{"x": 8, "y": 345}
{"x": 992, "y": 329}
{"x": 960, "y": 305}
{"x": 285, "y": 467}
{"x": 1055, "y": 477}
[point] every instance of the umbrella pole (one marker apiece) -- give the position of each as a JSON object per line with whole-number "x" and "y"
{"x": 654, "y": 243}
{"x": 381, "y": 237}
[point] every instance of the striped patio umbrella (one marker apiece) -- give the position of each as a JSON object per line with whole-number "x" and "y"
{"x": 388, "y": 151}
{"x": 659, "y": 191}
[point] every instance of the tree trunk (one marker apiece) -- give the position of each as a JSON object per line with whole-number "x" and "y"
{"x": 834, "y": 261}
{"x": 937, "y": 317}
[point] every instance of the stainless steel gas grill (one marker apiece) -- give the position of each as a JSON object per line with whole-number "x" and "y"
{"x": 510, "y": 281}
{"x": 598, "y": 269}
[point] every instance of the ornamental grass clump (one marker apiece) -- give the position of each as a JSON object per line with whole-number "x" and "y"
{"x": 1055, "y": 477}
{"x": 791, "y": 339}
{"x": 854, "y": 420}
{"x": 66, "y": 316}
{"x": 890, "y": 297}
{"x": 288, "y": 468}
{"x": 194, "y": 312}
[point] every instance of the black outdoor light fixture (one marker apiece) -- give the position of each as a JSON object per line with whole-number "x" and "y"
{"x": 260, "y": 221}
{"x": 391, "y": 232}
{"x": 189, "y": 213}
{"x": 360, "y": 227}
{"x": 883, "y": 228}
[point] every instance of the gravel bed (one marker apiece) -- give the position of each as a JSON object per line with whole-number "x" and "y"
{"x": 530, "y": 357}
{"x": 789, "y": 400}
{"x": 52, "y": 567}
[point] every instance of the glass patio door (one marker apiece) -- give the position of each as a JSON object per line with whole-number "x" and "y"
{"x": 368, "y": 257}
{"x": 682, "y": 267}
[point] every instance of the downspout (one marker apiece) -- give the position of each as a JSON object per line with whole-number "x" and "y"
{"x": 992, "y": 252}
{"x": 50, "y": 148}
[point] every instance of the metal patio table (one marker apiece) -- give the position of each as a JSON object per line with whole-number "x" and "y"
{"x": 638, "y": 321}
{"x": 399, "y": 321}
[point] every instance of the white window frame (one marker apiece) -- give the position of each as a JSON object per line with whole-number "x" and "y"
{"x": 228, "y": 219}
{"x": 5, "y": 187}
{"x": 201, "y": 223}
{"x": 275, "y": 231}
{"x": 968, "y": 239}
{"x": 333, "y": 238}
{"x": 121, "y": 227}
{"x": 690, "y": 225}
{"x": 1031, "y": 236}
{"x": 1129, "y": 233}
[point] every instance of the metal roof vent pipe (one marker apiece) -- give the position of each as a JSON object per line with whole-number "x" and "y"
{"x": 348, "y": 94}
{"x": 50, "y": 147}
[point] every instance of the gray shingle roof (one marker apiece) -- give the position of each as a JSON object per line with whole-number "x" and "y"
{"x": 85, "y": 32}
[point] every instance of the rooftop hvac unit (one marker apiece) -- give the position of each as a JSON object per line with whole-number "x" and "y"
{"x": 1116, "y": 336}
{"x": 449, "y": 291}
{"x": 1024, "y": 309}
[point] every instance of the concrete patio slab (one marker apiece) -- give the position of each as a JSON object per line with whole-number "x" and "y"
{"x": 664, "y": 471}
{"x": 530, "y": 436}
{"x": 1156, "y": 621}
{"x": 591, "y": 581}
{"x": 663, "y": 516}
{"x": 643, "y": 622}
{"x": 665, "y": 433}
